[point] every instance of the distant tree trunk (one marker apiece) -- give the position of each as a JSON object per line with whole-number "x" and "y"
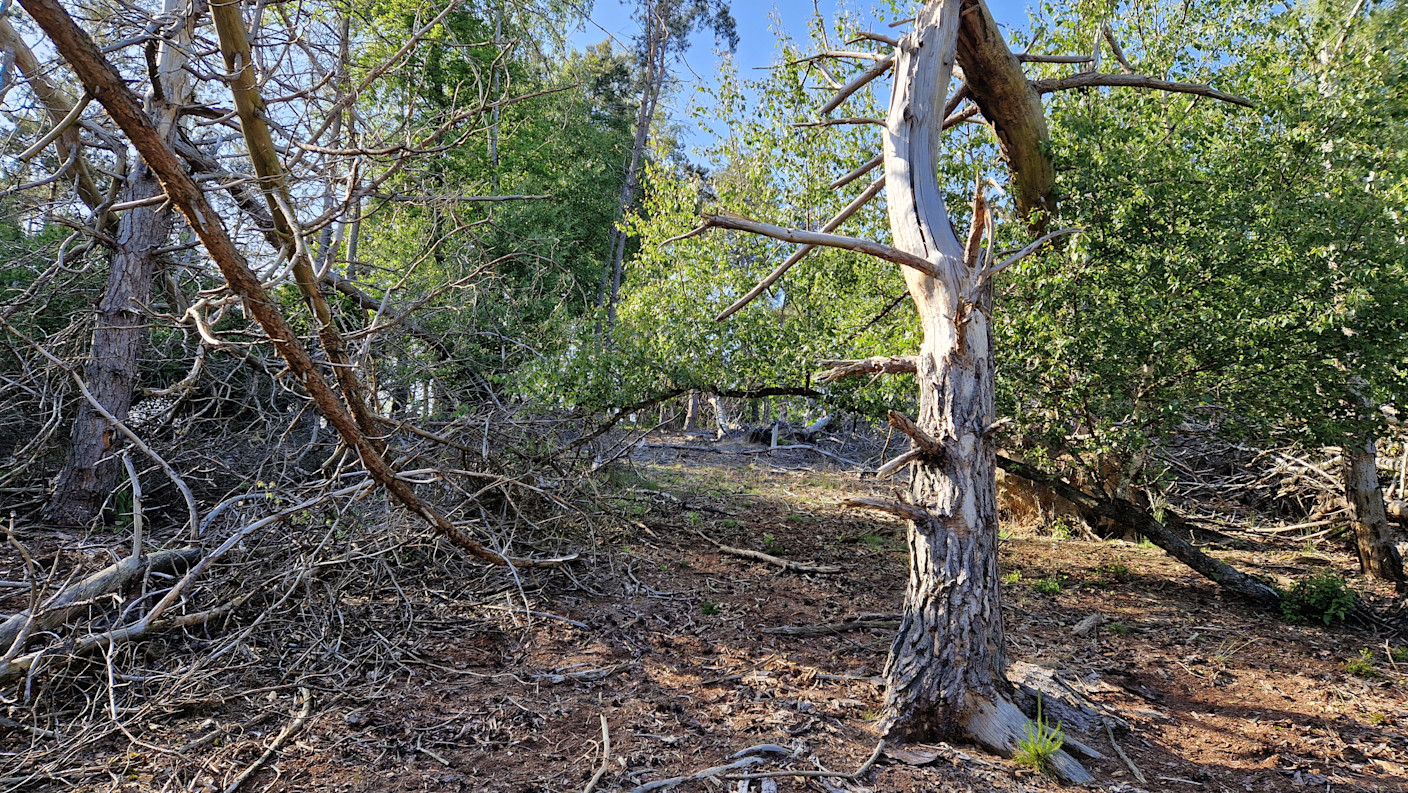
{"x": 691, "y": 412}
{"x": 652, "y": 86}
{"x": 1373, "y": 536}
{"x": 90, "y": 471}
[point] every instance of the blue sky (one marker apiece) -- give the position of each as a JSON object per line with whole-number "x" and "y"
{"x": 757, "y": 44}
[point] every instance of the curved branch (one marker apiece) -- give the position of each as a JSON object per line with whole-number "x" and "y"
{"x": 1095, "y": 79}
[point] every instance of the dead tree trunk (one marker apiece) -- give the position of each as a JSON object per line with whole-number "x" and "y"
{"x": 120, "y": 332}
{"x": 946, "y": 672}
{"x": 1373, "y": 536}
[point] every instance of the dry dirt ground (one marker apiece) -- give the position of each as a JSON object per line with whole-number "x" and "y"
{"x": 674, "y": 644}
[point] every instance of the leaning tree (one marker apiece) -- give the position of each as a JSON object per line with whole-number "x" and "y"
{"x": 946, "y": 672}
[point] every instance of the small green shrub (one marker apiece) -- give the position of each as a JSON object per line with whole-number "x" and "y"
{"x": 770, "y": 544}
{"x": 1323, "y": 597}
{"x": 1049, "y": 585}
{"x": 709, "y": 607}
{"x": 1118, "y": 627}
{"x": 730, "y": 523}
{"x": 1115, "y": 570}
{"x": 1398, "y": 654}
{"x": 1061, "y": 529}
{"x": 1040, "y": 742}
{"x": 694, "y": 518}
{"x": 1012, "y": 577}
{"x": 1363, "y": 666}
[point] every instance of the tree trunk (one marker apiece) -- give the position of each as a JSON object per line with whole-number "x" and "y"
{"x": 691, "y": 412}
{"x": 90, "y": 470}
{"x": 120, "y": 334}
{"x": 1373, "y": 536}
{"x": 946, "y": 671}
{"x": 653, "y": 85}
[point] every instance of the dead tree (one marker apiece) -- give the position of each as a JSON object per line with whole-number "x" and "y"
{"x": 946, "y": 672}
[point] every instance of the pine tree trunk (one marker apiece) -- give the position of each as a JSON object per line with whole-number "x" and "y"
{"x": 120, "y": 334}
{"x": 1373, "y": 536}
{"x": 90, "y": 470}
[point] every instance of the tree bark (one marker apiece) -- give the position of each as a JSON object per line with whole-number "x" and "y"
{"x": 691, "y": 412}
{"x": 120, "y": 333}
{"x": 1001, "y": 90}
{"x": 946, "y": 672}
{"x": 1373, "y": 536}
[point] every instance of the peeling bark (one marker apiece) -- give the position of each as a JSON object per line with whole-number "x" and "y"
{"x": 945, "y": 674}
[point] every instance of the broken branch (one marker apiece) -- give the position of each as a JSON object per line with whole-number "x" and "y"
{"x": 868, "y": 247}
{"x": 880, "y": 364}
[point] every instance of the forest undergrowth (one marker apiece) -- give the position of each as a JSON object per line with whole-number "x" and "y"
{"x": 679, "y": 653}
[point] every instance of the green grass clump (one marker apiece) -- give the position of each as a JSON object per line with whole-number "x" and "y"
{"x": 1040, "y": 742}
{"x": 1320, "y": 598}
{"x": 1049, "y": 585}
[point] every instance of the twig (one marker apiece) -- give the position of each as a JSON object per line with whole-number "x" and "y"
{"x": 863, "y": 622}
{"x": 785, "y": 564}
{"x": 666, "y": 784}
{"x": 279, "y": 740}
{"x": 853, "y": 777}
{"x": 605, "y": 756}
{"x": 1133, "y": 769}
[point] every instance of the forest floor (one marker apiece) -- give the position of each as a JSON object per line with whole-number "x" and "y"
{"x": 674, "y": 644}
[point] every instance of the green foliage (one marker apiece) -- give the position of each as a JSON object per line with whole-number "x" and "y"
{"x": 1012, "y": 577}
{"x": 1362, "y": 665}
{"x": 1323, "y": 597}
{"x": 1239, "y": 269}
{"x": 709, "y": 607}
{"x": 1050, "y": 585}
{"x": 1039, "y": 742}
{"x": 1119, "y": 628}
{"x": 771, "y": 545}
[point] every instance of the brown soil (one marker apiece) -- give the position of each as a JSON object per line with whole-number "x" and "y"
{"x": 668, "y": 642}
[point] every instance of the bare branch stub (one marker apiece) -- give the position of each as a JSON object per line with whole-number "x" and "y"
{"x": 897, "y": 508}
{"x": 922, "y": 440}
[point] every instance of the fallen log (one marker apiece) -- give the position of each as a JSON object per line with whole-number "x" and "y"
{"x": 78, "y": 597}
{"x": 1128, "y": 514}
